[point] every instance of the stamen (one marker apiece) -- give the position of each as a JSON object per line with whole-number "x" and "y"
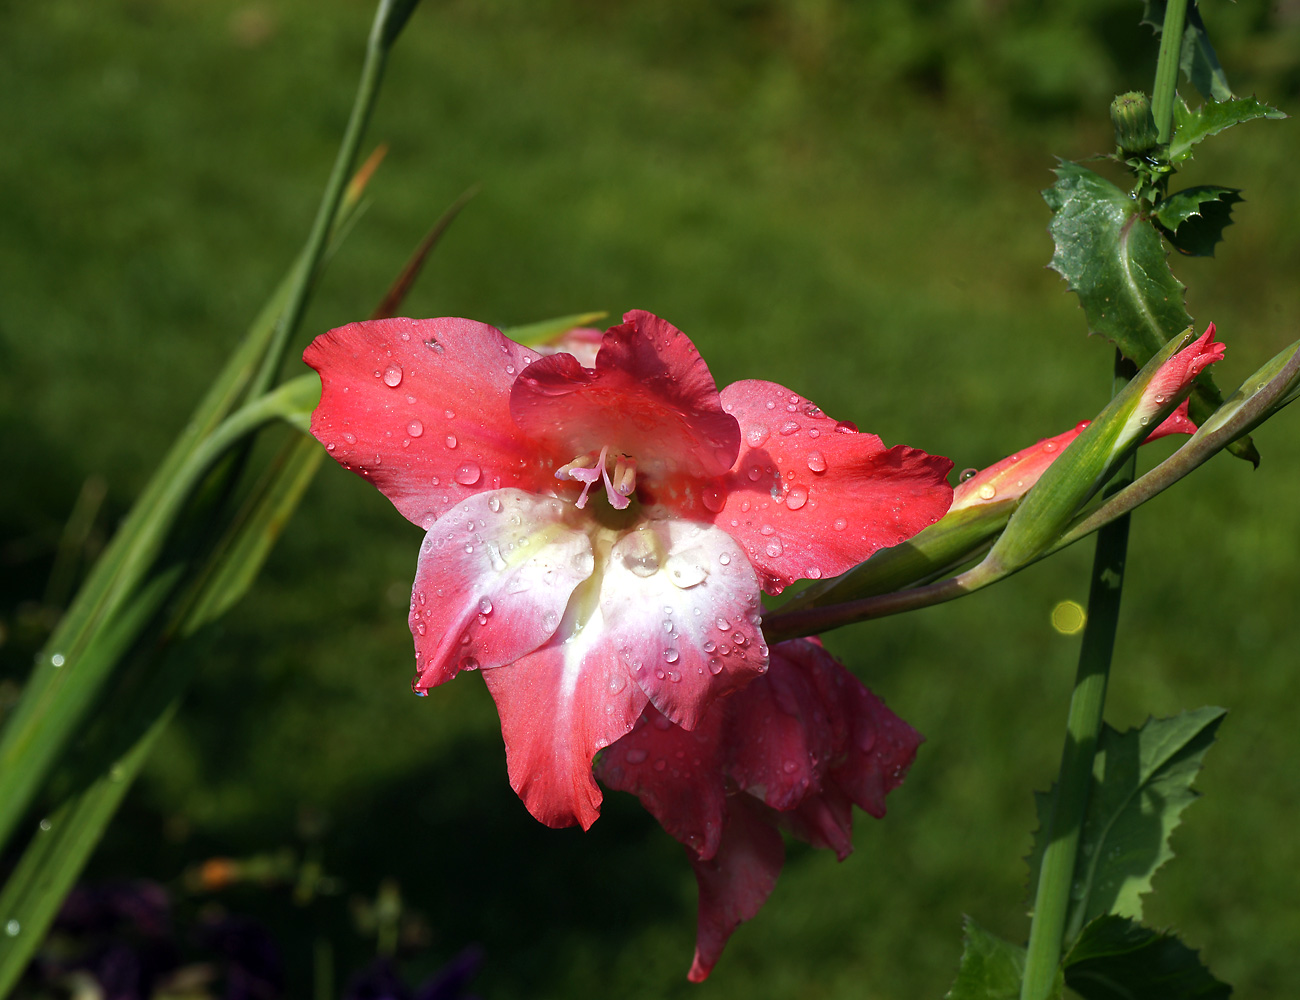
{"x": 625, "y": 475}
{"x": 587, "y": 471}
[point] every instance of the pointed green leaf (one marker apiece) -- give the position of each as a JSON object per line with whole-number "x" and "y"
{"x": 1116, "y": 262}
{"x": 1193, "y": 125}
{"x": 1142, "y": 782}
{"x": 991, "y": 968}
{"x": 1116, "y": 959}
{"x": 549, "y": 329}
{"x": 1198, "y": 60}
{"x": 1194, "y": 219}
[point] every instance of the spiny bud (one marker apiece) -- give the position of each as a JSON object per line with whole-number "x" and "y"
{"x": 1135, "y": 128}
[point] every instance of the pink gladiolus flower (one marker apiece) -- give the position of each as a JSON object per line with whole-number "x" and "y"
{"x": 796, "y": 749}
{"x": 597, "y": 537}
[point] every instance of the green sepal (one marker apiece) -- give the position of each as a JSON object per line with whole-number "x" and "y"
{"x": 1193, "y": 220}
{"x": 940, "y": 548}
{"x": 1117, "y": 959}
{"x": 1197, "y": 58}
{"x": 1193, "y": 125}
{"x": 991, "y": 968}
{"x": 1116, "y": 262}
{"x": 1142, "y": 782}
{"x": 549, "y": 329}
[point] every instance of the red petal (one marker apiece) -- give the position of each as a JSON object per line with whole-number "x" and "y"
{"x": 1175, "y": 375}
{"x": 421, "y": 408}
{"x": 880, "y": 746}
{"x": 676, "y": 773}
{"x": 494, "y": 577}
{"x": 680, "y": 604}
{"x": 734, "y": 883}
{"x": 1177, "y": 422}
{"x": 780, "y": 734}
{"x": 810, "y": 497}
{"x": 558, "y": 706}
{"x": 650, "y": 396}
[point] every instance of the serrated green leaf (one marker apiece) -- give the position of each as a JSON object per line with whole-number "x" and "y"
{"x": 1194, "y": 219}
{"x": 1116, "y": 262}
{"x": 1193, "y": 125}
{"x": 1116, "y": 959}
{"x": 1197, "y": 59}
{"x": 991, "y": 968}
{"x": 1142, "y": 782}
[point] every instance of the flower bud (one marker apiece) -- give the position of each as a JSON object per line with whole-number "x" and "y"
{"x": 1135, "y": 128}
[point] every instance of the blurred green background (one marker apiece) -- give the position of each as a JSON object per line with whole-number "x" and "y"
{"x": 839, "y": 196}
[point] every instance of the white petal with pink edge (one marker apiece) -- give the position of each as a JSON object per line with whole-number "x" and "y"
{"x": 681, "y": 610}
{"x": 494, "y": 577}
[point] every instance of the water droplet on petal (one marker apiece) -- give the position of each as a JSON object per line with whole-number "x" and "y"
{"x": 987, "y": 491}
{"x": 468, "y": 474}
{"x": 713, "y": 499}
{"x": 349, "y": 437}
{"x": 789, "y": 427}
{"x": 636, "y": 756}
{"x": 485, "y": 607}
{"x": 773, "y": 548}
{"x": 789, "y": 767}
{"x": 816, "y": 461}
{"x": 415, "y": 428}
{"x": 494, "y": 505}
{"x": 393, "y": 376}
{"x": 796, "y": 498}
{"x": 756, "y": 435}
{"x": 724, "y": 559}
{"x": 451, "y": 441}
{"x": 671, "y": 655}
{"x": 840, "y": 524}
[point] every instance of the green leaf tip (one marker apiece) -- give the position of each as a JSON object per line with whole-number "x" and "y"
{"x": 1116, "y": 959}
{"x": 1193, "y": 125}
{"x": 1193, "y": 220}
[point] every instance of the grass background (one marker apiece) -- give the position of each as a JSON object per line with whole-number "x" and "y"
{"x": 842, "y": 197}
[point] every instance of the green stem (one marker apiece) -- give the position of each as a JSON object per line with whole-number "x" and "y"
{"x": 1048, "y": 932}
{"x": 1166, "y": 85}
{"x": 378, "y": 47}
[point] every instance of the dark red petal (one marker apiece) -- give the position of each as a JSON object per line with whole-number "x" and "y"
{"x": 494, "y": 577}
{"x": 680, "y": 604}
{"x": 734, "y": 883}
{"x": 422, "y": 409}
{"x": 558, "y": 706}
{"x": 810, "y": 497}
{"x": 879, "y": 748}
{"x": 677, "y": 775}
{"x": 650, "y": 396}
{"x": 824, "y": 820}
{"x": 780, "y": 734}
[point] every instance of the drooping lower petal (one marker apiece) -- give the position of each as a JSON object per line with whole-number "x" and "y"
{"x": 735, "y": 883}
{"x": 680, "y": 604}
{"x": 677, "y": 774}
{"x": 650, "y": 396}
{"x": 558, "y": 706}
{"x": 809, "y": 496}
{"x": 421, "y": 408}
{"x": 494, "y": 578}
